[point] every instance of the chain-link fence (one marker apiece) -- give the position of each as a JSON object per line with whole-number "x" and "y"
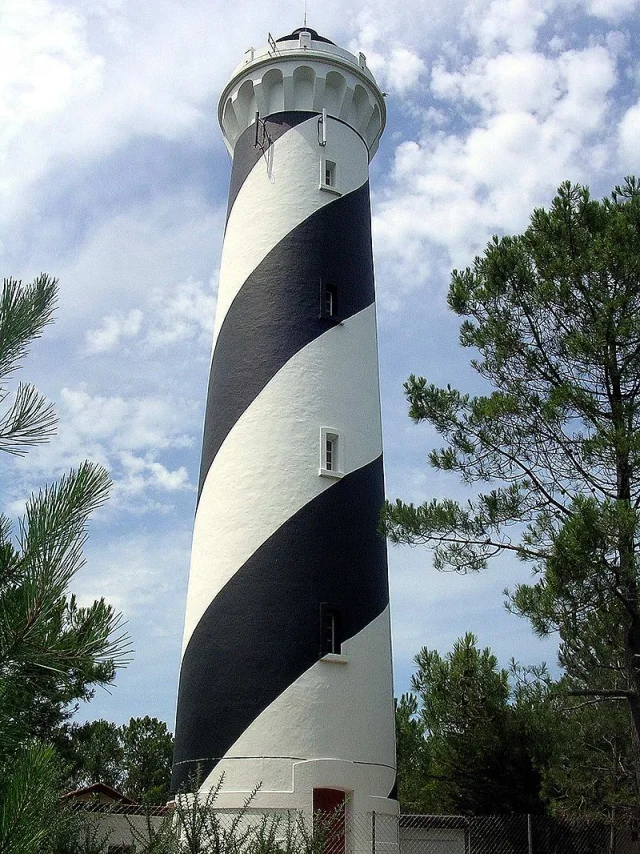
{"x": 351, "y": 832}
{"x": 509, "y": 834}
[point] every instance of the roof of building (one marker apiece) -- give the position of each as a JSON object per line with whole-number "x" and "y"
{"x": 99, "y": 791}
{"x": 315, "y": 36}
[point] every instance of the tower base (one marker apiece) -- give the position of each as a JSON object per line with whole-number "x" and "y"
{"x": 342, "y": 793}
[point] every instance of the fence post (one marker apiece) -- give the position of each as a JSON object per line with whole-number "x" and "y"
{"x": 529, "y": 834}
{"x": 373, "y": 832}
{"x": 612, "y": 831}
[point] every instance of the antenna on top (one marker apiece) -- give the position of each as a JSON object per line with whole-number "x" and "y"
{"x": 304, "y": 23}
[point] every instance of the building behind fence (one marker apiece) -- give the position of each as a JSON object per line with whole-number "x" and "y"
{"x": 379, "y": 833}
{"x": 513, "y": 834}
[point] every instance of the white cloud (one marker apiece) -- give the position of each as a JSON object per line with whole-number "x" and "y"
{"x": 135, "y": 571}
{"x": 79, "y": 81}
{"x": 512, "y": 24}
{"x": 129, "y": 437}
{"x": 172, "y": 316}
{"x": 404, "y": 69}
{"x": 113, "y": 329}
{"x": 47, "y": 71}
{"x": 82, "y": 78}
{"x": 397, "y": 70}
{"x": 452, "y": 190}
{"x": 378, "y": 27}
{"x": 629, "y": 135}
{"x": 398, "y": 39}
{"x": 589, "y": 74}
{"x": 172, "y": 481}
{"x": 503, "y": 83}
{"x": 16, "y": 508}
{"x": 140, "y": 474}
{"x": 132, "y": 260}
{"x": 130, "y": 424}
{"x": 186, "y": 313}
{"x": 561, "y": 86}
{"x": 46, "y": 64}
{"x": 611, "y": 10}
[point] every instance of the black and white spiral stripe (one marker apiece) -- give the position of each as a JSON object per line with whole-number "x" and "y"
{"x": 273, "y": 540}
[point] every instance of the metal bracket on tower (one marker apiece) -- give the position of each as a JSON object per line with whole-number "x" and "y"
{"x": 322, "y": 128}
{"x": 262, "y": 139}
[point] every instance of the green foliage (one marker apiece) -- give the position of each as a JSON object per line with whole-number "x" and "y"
{"x": 134, "y": 759}
{"x": 28, "y": 801}
{"x": 24, "y": 312}
{"x": 147, "y": 746}
{"x": 93, "y": 753}
{"x": 592, "y": 773}
{"x": 196, "y": 827}
{"x": 554, "y": 315}
{"x": 483, "y": 741}
{"x": 412, "y": 756}
{"x": 52, "y": 651}
{"x": 77, "y": 832}
{"x": 476, "y": 738}
{"x": 43, "y": 630}
{"x": 50, "y": 647}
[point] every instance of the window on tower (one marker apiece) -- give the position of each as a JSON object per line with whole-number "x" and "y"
{"x": 329, "y": 302}
{"x": 328, "y": 451}
{"x": 329, "y": 173}
{"x": 331, "y": 453}
{"x": 329, "y": 629}
{"x": 329, "y": 176}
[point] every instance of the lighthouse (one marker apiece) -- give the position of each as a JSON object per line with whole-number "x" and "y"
{"x": 286, "y": 676}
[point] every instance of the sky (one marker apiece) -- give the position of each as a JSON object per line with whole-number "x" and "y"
{"x": 114, "y": 176}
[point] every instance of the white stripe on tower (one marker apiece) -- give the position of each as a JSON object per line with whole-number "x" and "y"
{"x": 361, "y": 737}
{"x": 287, "y": 565}
{"x": 292, "y": 203}
{"x": 241, "y": 506}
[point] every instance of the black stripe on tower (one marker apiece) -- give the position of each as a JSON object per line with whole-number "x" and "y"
{"x": 246, "y": 153}
{"x": 277, "y": 311}
{"x": 262, "y": 631}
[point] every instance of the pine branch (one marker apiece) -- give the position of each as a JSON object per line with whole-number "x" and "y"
{"x": 30, "y": 421}
{"x": 24, "y": 312}
{"x": 604, "y": 694}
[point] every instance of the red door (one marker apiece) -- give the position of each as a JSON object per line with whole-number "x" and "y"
{"x": 329, "y": 815}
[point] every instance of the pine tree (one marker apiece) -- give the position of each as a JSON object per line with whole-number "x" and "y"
{"x": 554, "y": 316}
{"x": 51, "y": 650}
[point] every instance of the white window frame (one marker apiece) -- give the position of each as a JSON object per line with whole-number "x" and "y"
{"x": 329, "y": 295}
{"x": 328, "y": 434}
{"x": 331, "y": 624}
{"x": 329, "y": 301}
{"x": 334, "y": 185}
{"x": 339, "y": 656}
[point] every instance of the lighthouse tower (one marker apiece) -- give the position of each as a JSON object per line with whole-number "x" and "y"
{"x": 286, "y": 670}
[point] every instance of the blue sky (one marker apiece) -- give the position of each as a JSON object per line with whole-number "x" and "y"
{"x": 113, "y": 177}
